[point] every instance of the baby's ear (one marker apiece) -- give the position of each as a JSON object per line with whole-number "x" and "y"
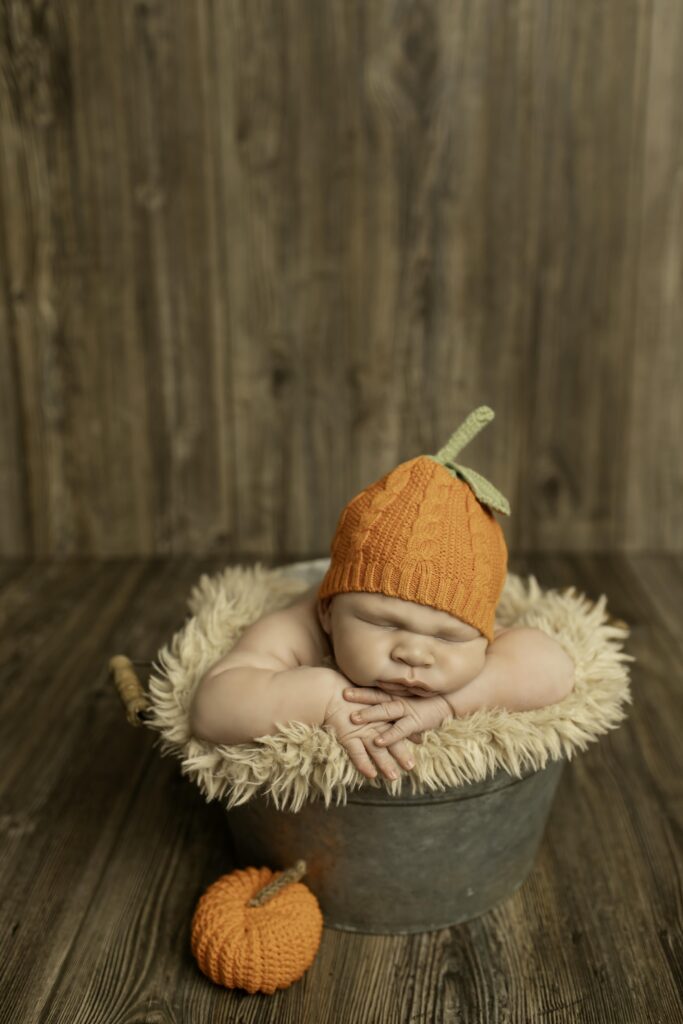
{"x": 323, "y": 608}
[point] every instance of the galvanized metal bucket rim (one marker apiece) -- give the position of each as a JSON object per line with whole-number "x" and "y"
{"x": 463, "y": 791}
{"x": 377, "y": 794}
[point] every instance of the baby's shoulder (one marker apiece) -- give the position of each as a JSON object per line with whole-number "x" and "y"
{"x": 292, "y": 634}
{"x": 278, "y": 640}
{"x": 305, "y": 635}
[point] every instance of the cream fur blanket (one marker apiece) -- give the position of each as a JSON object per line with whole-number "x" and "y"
{"x": 303, "y": 762}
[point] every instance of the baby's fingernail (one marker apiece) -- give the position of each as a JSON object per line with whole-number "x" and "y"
{"x": 379, "y": 742}
{"x": 392, "y": 774}
{"x": 410, "y": 764}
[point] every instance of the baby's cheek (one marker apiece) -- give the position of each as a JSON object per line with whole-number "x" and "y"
{"x": 354, "y": 667}
{"x": 464, "y": 670}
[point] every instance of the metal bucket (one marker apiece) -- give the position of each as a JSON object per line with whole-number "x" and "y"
{"x": 397, "y": 864}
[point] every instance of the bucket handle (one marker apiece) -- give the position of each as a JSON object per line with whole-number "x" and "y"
{"x": 134, "y": 698}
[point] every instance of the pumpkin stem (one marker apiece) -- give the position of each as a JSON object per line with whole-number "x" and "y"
{"x": 460, "y": 438}
{"x": 292, "y": 874}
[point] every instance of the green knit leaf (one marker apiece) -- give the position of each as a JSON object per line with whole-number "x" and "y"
{"x": 483, "y": 490}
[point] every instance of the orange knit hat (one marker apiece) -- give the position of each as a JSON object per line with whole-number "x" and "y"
{"x": 425, "y": 532}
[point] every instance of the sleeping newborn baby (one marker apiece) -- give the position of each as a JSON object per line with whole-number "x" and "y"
{"x": 400, "y": 635}
{"x": 401, "y": 668}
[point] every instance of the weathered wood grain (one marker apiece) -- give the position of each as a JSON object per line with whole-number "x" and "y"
{"x": 106, "y": 848}
{"x": 68, "y": 771}
{"x": 252, "y": 255}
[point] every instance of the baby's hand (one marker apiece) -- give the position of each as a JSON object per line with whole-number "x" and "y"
{"x": 360, "y": 740}
{"x": 373, "y": 695}
{"x": 409, "y": 714}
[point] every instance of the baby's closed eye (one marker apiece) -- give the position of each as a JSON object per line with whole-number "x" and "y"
{"x": 391, "y": 626}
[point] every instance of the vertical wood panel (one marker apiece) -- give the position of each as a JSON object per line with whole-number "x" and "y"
{"x": 254, "y": 254}
{"x": 651, "y": 449}
{"x": 578, "y": 323}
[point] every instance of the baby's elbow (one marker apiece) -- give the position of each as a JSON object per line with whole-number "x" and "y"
{"x": 566, "y": 675}
{"x": 555, "y": 665}
{"x": 203, "y": 714}
{"x": 200, "y": 730}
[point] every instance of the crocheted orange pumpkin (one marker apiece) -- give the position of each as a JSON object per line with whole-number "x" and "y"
{"x": 257, "y": 940}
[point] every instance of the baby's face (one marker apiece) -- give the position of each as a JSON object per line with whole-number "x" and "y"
{"x": 400, "y": 646}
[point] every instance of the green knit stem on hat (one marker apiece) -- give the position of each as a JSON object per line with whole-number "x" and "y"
{"x": 483, "y": 490}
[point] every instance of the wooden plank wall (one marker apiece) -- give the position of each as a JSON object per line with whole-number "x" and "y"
{"x": 255, "y": 253}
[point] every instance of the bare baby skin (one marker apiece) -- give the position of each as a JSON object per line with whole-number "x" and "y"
{"x": 402, "y": 668}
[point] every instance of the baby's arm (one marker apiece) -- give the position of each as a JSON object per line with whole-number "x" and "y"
{"x": 238, "y": 705}
{"x": 241, "y": 703}
{"x": 524, "y": 669}
{"x": 267, "y": 680}
{"x": 267, "y": 677}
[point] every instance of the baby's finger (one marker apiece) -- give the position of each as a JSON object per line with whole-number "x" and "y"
{"x": 398, "y": 731}
{"x": 355, "y": 748}
{"x": 386, "y": 712}
{"x": 415, "y": 737}
{"x": 403, "y": 754}
{"x": 366, "y": 695}
{"x": 384, "y": 760}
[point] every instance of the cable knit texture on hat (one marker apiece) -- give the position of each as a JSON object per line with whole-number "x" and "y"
{"x": 420, "y": 534}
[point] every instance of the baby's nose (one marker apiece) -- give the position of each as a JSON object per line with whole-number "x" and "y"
{"x": 413, "y": 653}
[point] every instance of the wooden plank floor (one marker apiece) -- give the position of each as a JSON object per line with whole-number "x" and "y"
{"x": 106, "y": 848}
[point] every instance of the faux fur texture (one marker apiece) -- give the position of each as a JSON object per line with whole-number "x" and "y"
{"x": 302, "y": 763}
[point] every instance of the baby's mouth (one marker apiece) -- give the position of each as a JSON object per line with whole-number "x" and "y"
{"x": 403, "y": 685}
